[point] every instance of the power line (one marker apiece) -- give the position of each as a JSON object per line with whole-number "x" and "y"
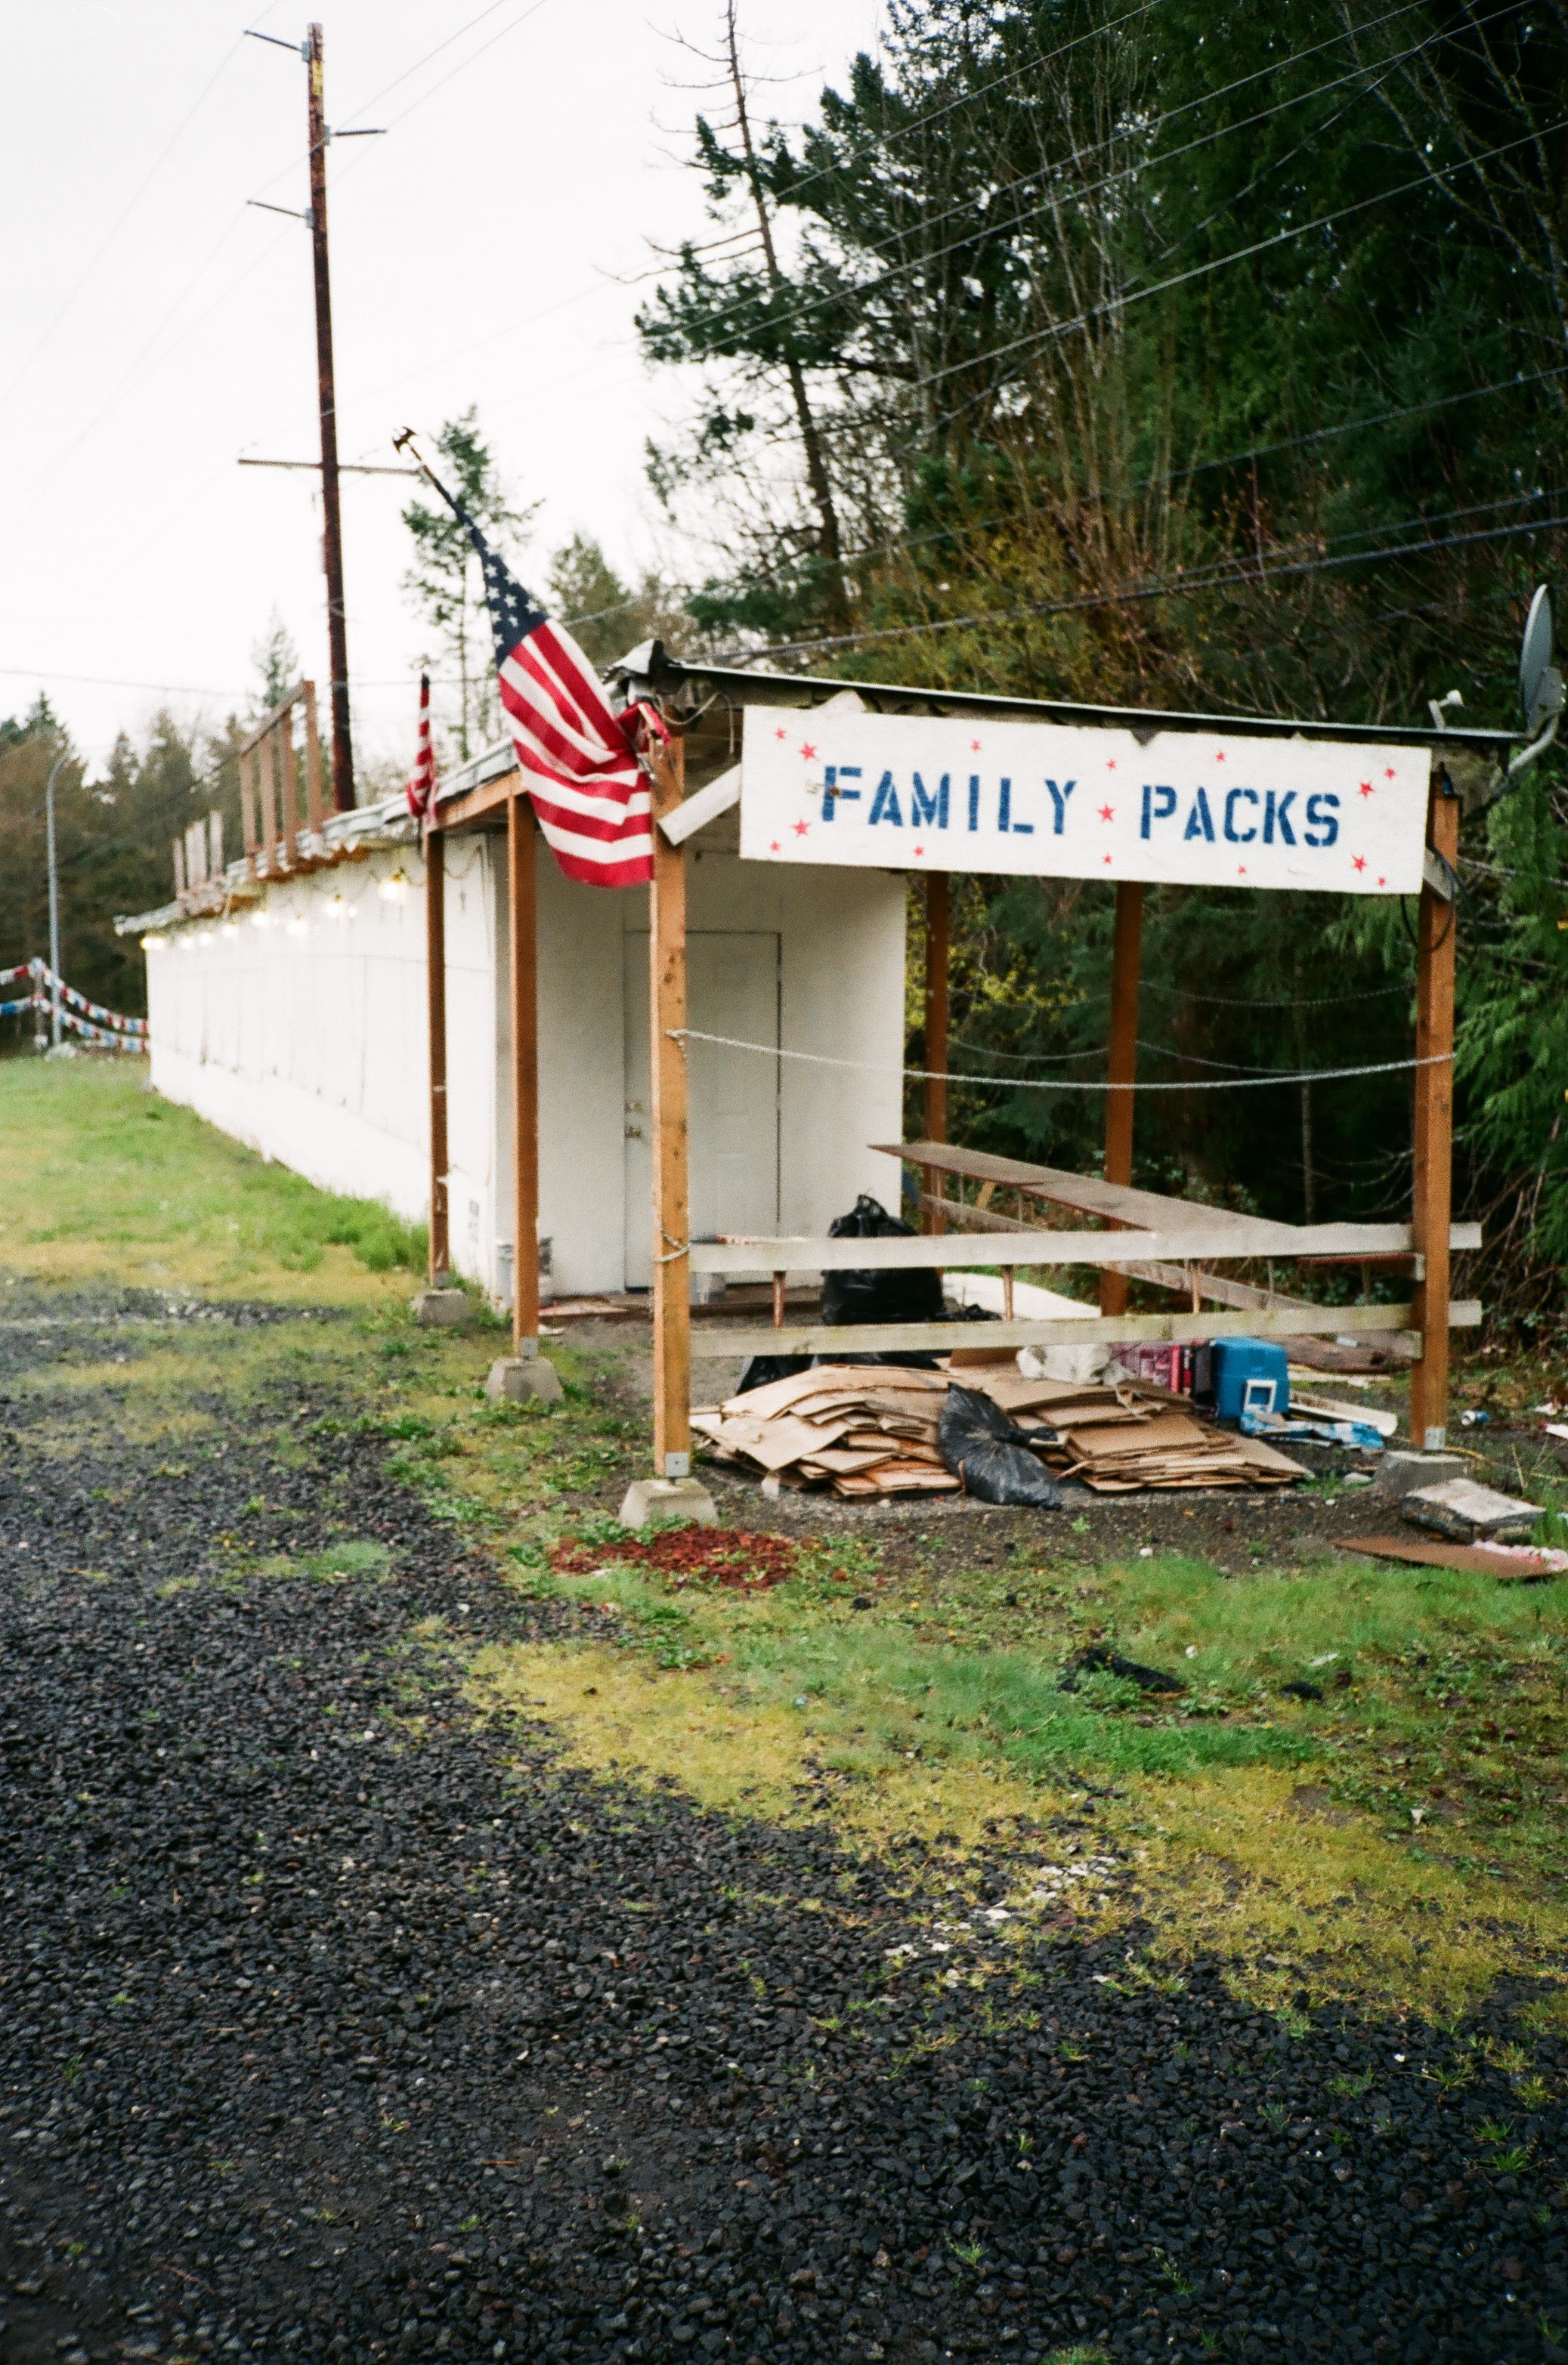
{"x": 1230, "y": 460}
{"x": 123, "y": 216}
{"x": 129, "y": 374}
{"x": 1237, "y": 578}
{"x": 399, "y": 80}
{"x": 1123, "y": 302}
{"x": 1076, "y": 195}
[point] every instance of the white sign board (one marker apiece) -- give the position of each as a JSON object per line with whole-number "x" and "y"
{"x": 907, "y": 792}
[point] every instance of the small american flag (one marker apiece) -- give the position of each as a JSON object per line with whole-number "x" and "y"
{"x": 421, "y": 787}
{"x": 589, "y": 792}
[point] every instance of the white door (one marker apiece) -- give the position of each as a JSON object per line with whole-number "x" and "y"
{"x": 731, "y": 988}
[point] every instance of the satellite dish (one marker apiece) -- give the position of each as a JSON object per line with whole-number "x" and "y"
{"x": 1535, "y": 653}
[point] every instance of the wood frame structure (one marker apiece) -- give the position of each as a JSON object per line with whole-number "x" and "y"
{"x": 1204, "y": 1234}
{"x": 1170, "y": 1258}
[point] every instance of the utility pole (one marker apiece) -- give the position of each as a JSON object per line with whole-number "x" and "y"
{"x": 332, "y": 532}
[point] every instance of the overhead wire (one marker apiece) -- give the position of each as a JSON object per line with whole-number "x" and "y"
{"x": 1240, "y": 577}
{"x": 1058, "y": 331}
{"x": 1075, "y": 195}
{"x": 902, "y": 543}
{"x": 128, "y": 209}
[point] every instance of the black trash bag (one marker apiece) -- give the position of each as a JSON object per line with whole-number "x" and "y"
{"x": 979, "y": 1445}
{"x": 1098, "y": 1660}
{"x": 909, "y": 1358}
{"x": 912, "y": 1295}
{"x": 761, "y": 1371}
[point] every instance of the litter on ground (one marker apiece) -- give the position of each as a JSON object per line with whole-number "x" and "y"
{"x": 867, "y": 1429}
{"x": 1512, "y": 1563}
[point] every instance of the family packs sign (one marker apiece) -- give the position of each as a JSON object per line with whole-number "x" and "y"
{"x": 899, "y": 792}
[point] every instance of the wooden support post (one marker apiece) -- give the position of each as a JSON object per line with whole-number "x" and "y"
{"x": 937, "y": 912}
{"x": 1122, "y": 1062}
{"x": 522, "y": 836}
{"x": 284, "y": 737}
{"x": 666, "y": 1000}
{"x": 435, "y": 1002}
{"x": 1432, "y": 1207}
{"x": 312, "y": 759}
{"x": 264, "y": 796}
{"x": 778, "y": 1281}
{"x": 247, "y": 815}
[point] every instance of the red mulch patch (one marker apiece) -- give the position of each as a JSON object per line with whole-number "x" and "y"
{"x": 731, "y": 1556}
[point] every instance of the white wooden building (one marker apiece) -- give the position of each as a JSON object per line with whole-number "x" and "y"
{"x": 290, "y": 1011}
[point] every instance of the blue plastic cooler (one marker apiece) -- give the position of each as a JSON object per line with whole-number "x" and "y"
{"x": 1249, "y": 1375}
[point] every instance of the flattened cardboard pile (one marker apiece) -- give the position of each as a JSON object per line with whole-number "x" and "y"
{"x": 863, "y": 1428}
{"x": 871, "y": 1429}
{"x": 1120, "y": 1438}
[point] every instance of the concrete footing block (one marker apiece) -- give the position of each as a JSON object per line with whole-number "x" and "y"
{"x": 514, "y": 1378}
{"x": 1401, "y": 1469}
{"x": 667, "y": 1499}
{"x": 440, "y": 1310}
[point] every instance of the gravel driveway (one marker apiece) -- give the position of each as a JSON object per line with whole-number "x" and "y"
{"x": 336, "y": 2025}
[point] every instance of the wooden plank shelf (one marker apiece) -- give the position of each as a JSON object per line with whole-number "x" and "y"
{"x": 1096, "y": 1330}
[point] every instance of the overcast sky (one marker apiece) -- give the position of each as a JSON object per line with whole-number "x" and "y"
{"x": 154, "y": 326}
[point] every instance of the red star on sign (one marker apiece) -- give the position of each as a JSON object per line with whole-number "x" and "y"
{"x": 1365, "y": 789}
{"x": 1358, "y": 861}
{"x": 920, "y": 850}
{"x": 781, "y": 734}
{"x": 1105, "y": 858}
{"x": 1383, "y": 882}
{"x": 1241, "y": 870}
{"x": 1219, "y": 755}
{"x": 974, "y": 747}
{"x": 801, "y": 827}
{"x": 1388, "y": 773}
{"x": 1110, "y": 763}
{"x": 1107, "y": 812}
{"x": 807, "y": 750}
{"x": 774, "y": 847}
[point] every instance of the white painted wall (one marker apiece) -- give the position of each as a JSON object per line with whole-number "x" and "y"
{"x": 299, "y": 1028}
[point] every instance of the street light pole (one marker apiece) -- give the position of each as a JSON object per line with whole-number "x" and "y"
{"x": 54, "y": 771}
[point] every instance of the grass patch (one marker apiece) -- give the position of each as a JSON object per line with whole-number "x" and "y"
{"x": 109, "y": 1183}
{"x": 356, "y": 1560}
{"x": 1397, "y": 1839}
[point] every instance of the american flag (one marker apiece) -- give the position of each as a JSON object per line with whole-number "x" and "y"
{"x": 590, "y": 794}
{"x": 421, "y": 787}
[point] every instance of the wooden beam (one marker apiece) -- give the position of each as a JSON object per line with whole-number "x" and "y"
{"x": 1194, "y": 1243}
{"x": 1152, "y": 1211}
{"x": 268, "y": 803}
{"x": 290, "y": 792}
{"x": 247, "y": 813}
{"x": 1435, "y": 961}
{"x": 490, "y": 798}
{"x": 667, "y": 1004}
{"x": 1214, "y": 1286}
{"x": 523, "y": 945}
{"x": 270, "y": 719}
{"x": 1087, "y": 1194}
{"x": 312, "y": 760}
{"x": 435, "y": 1011}
{"x": 1096, "y": 1330}
{"x": 1121, "y": 1062}
{"x": 938, "y": 914}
